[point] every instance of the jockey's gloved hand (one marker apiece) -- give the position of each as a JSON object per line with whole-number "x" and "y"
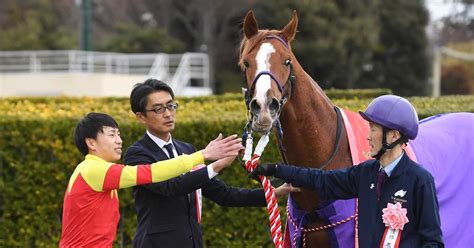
{"x": 263, "y": 170}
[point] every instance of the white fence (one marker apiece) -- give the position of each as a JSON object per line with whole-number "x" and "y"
{"x": 188, "y": 73}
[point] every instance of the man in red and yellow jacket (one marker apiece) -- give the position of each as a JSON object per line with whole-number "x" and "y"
{"x": 91, "y": 205}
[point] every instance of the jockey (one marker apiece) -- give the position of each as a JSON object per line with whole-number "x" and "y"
{"x": 398, "y": 205}
{"x": 91, "y": 204}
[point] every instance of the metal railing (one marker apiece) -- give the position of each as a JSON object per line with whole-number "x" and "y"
{"x": 179, "y": 70}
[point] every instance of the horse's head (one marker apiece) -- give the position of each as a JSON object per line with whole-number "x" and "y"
{"x": 265, "y": 58}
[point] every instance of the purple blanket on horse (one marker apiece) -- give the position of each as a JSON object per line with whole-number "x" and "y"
{"x": 342, "y": 235}
{"x": 445, "y": 147}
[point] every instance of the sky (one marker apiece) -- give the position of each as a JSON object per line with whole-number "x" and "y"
{"x": 441, "y": 8}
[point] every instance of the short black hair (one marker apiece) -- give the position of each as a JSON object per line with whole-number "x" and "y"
{"x": 140, "y": 92}
{"x": 89, "y": 126}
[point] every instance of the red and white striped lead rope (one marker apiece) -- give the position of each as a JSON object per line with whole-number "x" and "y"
{"x": 272, "y": 205}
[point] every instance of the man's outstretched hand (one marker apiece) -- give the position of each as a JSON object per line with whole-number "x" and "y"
{"x": 263, "y": 170}
{"x": 222, "y": 147}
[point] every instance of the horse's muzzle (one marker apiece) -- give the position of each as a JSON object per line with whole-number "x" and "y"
{"x": 263, "y": 118}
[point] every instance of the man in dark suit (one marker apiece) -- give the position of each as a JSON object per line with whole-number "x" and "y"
{"x": 169, "y": 212}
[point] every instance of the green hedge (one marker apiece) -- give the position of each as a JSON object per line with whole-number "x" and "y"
{"x": 331, "y": 93}
{"x": 37, "y": 157}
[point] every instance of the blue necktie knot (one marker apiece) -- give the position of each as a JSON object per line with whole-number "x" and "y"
{"x": 169, "y": 149}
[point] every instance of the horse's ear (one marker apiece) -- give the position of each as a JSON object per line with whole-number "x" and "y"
{"x": 289, "y": 31}
{"x": 250, "y": 25}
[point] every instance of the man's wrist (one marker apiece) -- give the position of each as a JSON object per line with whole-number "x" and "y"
{"x": 212, "y": 171}
{"x": 204, "y": 154}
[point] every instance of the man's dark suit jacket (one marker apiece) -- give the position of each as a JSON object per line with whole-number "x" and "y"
{"x": 167, "y": 217}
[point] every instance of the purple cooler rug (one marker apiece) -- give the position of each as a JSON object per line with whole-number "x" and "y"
{"x": 445, "y": 147}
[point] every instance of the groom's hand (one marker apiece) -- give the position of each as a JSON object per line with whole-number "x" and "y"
{"x": 263, "y": 170}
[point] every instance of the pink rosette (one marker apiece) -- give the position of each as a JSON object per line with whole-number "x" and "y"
{"x": 394, "y": 216}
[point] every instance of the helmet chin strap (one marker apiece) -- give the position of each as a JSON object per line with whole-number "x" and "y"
{"x": 385, "y": 145}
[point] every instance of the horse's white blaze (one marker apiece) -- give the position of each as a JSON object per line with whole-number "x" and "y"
{"x": 264, "y": 83}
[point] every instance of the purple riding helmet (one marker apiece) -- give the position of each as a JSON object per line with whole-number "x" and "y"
{"x": 392, "y": 113}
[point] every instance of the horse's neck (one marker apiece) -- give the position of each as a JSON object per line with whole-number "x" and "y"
{"x": 309, "y": 124}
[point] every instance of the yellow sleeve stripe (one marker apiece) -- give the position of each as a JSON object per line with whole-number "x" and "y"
{"x": 168, "y": 169}
{"x": 128, "y": 177}
{"x": 101, "y": 175}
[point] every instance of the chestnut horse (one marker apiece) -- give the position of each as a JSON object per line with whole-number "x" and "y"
{"x": 280, "y": 93}
{"x": 270, "y": 50}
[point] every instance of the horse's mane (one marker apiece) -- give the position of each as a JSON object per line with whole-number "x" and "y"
{"x": 247, "y": 45}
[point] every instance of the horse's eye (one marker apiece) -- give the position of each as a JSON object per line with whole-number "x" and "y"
{"x": 287, "y": 62}
{"x": 246, "y": 64}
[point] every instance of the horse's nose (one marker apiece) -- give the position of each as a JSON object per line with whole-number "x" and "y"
{"x": 274, "y": 106}
{"x": 254, "y": 107}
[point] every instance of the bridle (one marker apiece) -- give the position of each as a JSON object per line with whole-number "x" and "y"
{"x": 285, "y": 91}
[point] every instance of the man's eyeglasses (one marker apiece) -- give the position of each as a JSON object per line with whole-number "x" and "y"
{"x": 161, "y": 109}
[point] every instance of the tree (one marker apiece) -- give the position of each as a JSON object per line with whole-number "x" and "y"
{"x": 401, "y": 61}
{"x": 347, "y": 44}
{"x": 335, "y": 38}
{"x": 211, "y": 26}
{"x": 458, "y": 27}
{"x": 29, "y": 25}
{"x": 131, "y": 38}
{"x": 457, "y": 32}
